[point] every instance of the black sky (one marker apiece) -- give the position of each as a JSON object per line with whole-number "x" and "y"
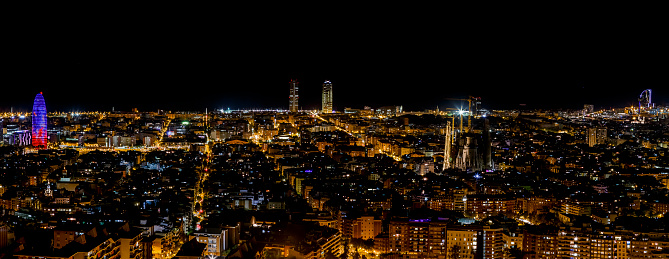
{"x": 414, "y": 60}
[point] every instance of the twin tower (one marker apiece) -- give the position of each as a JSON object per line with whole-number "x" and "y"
{"x": 326, "y": 101}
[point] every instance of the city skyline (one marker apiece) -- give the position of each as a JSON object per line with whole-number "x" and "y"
{"x": 472, "y": 134}
{"x": 160, "y": 184}
{"x": 314, "y": 102}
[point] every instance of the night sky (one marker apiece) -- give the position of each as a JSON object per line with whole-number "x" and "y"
{"x": 415, "y": 61}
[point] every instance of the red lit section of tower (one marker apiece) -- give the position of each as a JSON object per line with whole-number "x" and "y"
{"x": 39, "y": 122}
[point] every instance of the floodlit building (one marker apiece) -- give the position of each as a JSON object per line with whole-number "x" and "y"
{"x": 367, "y": 227}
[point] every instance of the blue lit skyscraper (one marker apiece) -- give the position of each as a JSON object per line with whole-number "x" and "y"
{"x": 39, "y": 122}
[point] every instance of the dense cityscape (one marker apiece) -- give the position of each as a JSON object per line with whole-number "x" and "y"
{"x": 362, "y": 182}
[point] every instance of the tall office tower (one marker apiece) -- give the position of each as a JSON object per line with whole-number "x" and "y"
{"x": 597, "y": 136}
{"x": 39, "y": 122}
{"x": 293, "y": 97}
{"x": 327, "y": 97}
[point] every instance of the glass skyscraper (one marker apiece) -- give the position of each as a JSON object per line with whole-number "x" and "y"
{"x": 326, "y": 101}
{"x": 39, "y": 122}
{"x": 293, "y": 97}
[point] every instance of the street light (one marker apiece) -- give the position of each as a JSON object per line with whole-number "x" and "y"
{"x": 460, "y": 112}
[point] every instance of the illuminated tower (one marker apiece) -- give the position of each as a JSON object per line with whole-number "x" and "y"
{"x": 293, "y": 97}
{"x": 327, "y": 97}
{"x": 39, "y": 122}
{"x": 447, "y": 146}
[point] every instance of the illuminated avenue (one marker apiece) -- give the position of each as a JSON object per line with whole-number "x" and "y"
{"x": 463, "y": 182}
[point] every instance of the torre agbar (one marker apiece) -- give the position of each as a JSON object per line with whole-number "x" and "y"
{"x": 39, "y": 122}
